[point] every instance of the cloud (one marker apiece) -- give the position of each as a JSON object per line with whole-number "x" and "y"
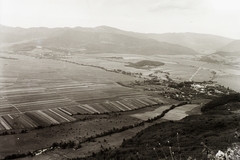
{"x": 165, "y": 5}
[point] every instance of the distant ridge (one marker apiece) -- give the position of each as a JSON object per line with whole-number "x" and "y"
{"x": 109, "y": 39}
{"x": 202, "y": 43}
{"x": 233, "y": 46}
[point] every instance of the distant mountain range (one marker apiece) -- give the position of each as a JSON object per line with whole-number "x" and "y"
{"x": 105, "y": 39}
{"x": 228, "y": 54}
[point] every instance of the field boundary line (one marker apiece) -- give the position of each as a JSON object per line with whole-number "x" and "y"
{"x": 10, "y": 116}
{"x": 12, "y": 105}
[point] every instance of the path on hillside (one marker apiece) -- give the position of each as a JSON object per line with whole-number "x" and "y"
{"x": 190, "y": 79}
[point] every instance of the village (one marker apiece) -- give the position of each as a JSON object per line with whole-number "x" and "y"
{"x": 183, "y": 91}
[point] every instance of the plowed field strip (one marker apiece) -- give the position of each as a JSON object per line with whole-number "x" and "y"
{"x": 5, "y": 105}
{"x": 75, "y": 90}
{"x": 108, "y": 106}
{"x": 84, "y": 108}
{"x": 98, "y": 107}
{"x": 23, "y": 86}
{"x": 71, "y": 110}
{"x": 17, "y": 121}
{"x": 79, "y": 110}
{"x": 128, "y": 104}
{"x": 126, "y": 107}
{"x": 33, "y": 99}
{"x": 70, "y": 84}
{"x": 94, "y": 96}
{"x": 45, "y": 118}
{"x": 139, "y": 100}
{"x": 155, "y": 100}
{"x": 73, "y": 84}
{"x": 44, "y": 106}
{"x": 9, "y": 120}
{"x": 63, "y": 114}
{"x": 22, "y": 90}
{"x": 30, "y": 94}
{"x": 2, "y": 128}
{"x": 91, "y": 108}
{"x": 65, "y": 111}
{"x": 3, "y": 101}
{"x": 135, "y": 103}
{"x": 55, "y": 116}
{"x": 8, "y": 110}
{"x": 27, "y": 122}
{"x": 54, "y": 111}
{"x": 71, "y": 87}
{"x": 114, "y": 107}
{"x": 36, "y": 118}
{"x": 117, "y": 106}
{"x": 23, "y": 93}
{"x": 149, "y": 101}
{"x": 5, "y": 124}
{"x": 60, "y": 100}
{"x": 19, "y": 94}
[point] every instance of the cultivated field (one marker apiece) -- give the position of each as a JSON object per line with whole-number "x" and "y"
{"x": 57, "y": 115}
{"x": 41, "y": 92}
{"x": 46, "y": 92}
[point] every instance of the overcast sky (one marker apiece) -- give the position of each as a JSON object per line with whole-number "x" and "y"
{"x": 219, "y": 17}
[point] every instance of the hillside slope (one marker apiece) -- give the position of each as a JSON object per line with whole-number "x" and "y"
{"x": 99, "y": 42}
{"x": 104, "y": 38}
{"x": 233, "y": 46}
{"x": 222, "y": 57}
{"x": 202, "y": 43}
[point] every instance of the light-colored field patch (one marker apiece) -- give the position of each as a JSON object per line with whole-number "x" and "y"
{"x": 233, "y": 82}
{"x": 151, "y": 114}
{"x": 179, "y": 112}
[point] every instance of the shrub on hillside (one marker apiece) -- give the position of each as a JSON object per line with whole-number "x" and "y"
{"x": 221, "y": 101}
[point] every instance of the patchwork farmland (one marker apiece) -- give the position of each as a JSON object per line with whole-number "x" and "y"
{"x": 38, "y": 98}
{"x": 54, "y": 116}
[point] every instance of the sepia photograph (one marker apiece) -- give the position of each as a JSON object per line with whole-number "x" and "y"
{"x": 120, "y": 79}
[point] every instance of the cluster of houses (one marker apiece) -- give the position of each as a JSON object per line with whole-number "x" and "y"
{"x": 192, "y": 90}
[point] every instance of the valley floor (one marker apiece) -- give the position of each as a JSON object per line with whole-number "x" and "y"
{"x": 97, "y": 101}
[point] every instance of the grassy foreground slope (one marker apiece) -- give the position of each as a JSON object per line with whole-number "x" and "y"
{"x": 215, "y": 127}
